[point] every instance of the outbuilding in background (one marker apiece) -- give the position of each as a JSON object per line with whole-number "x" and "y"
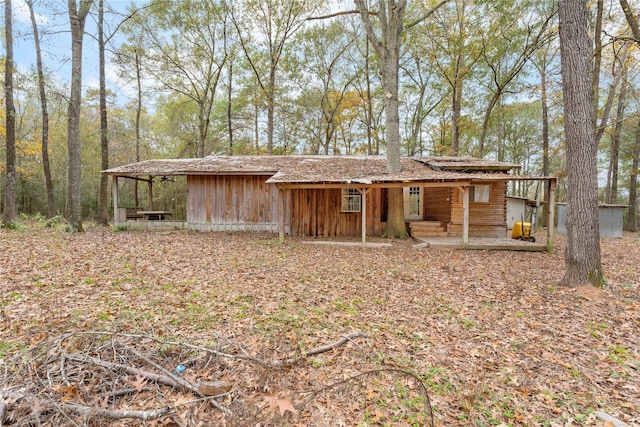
{"x": 610, "y": 216}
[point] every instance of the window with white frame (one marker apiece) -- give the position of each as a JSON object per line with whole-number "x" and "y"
{"x": 351, "y": 200}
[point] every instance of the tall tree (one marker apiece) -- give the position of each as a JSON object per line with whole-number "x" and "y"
{"x": 387, "y": 45}
{"x": 507, "y": 48}
{"x": 611, "y": 190}
{"x": 631, "y": 20}
{"x": 182, "y": 44}
{"x": 77, "y": 18}
{"x": 10, "y": 211}
{"x": 582, "y": 253}
{"x": 272, "y": 23}
{"x": 51, "y": 201}
{"x": 541, "y": 63}
{"x": 631, "y": 223}
{"x": 455, "y": 54}
{"x": 103, "y": 192}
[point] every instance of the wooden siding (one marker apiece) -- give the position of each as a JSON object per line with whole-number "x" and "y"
{"x": 437, "y": 205}
{"x": 318, "y": 212}
{"x": 232, "y": 202}
{"x": 485, "y": 219}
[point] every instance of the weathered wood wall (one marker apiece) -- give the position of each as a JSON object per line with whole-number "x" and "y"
{"x": 486, "y": 219}
{"x": 232, "y": 202}
{"x": 318, "y": 212}
{"x": 241, "y": 202}
{"x": 436, "y": 204}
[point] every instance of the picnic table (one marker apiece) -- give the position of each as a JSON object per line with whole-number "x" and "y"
{"x": 155, "y": 215}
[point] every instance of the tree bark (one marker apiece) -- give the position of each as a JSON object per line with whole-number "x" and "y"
{"x": 614, "y": 151}
{"x": 597, "y": 58}
{"x": 77, "y": 18}
{"x": 631, "y": 223}
{"x": 617, "y": 72}
{"x": 136, "y": 197}
{"x": 51, "y": 201}
{"x": 582, "y": 253}
{"x": 631, "y": 20}
{"x": 103, "y": 192}
{"x": 10, "y": 210}
{"x": 388, "y": 48}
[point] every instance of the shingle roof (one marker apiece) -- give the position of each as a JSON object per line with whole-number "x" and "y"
{"x": 322, "y": 169}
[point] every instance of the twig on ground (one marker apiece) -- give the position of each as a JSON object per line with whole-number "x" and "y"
{"x": 245, "y": 356}
{"x": 118, "y": 415}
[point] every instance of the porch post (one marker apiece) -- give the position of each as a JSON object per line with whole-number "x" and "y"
{"x": 363, "y": 194}
{"x": 281, "y": 206}
{"x": 551, "y": 214}
{"x": 115, "y": 199}
{"x": 465, "y": 216}
{"x": 150, "y": 192}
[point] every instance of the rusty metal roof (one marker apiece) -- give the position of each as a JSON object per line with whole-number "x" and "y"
{"x": 323, "y": 169}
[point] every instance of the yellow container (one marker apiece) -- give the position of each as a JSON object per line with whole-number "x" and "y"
{"x": 519, "y": 231}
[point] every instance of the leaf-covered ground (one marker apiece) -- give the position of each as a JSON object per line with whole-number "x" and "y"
{"x": 490, "y": 334}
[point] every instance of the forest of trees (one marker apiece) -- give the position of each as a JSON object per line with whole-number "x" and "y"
{"x": 192, "y": 78}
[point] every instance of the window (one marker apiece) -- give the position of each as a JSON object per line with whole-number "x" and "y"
{"x": 350, "y": 200}
{"x": 479, "y": 193}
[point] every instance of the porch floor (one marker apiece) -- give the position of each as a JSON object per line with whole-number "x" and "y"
{"x": 481, "y": 243}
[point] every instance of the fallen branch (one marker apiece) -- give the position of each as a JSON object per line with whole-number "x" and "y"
{"x": 119, "y": 415}
{"x": 151, "y": 376}
{"x": 272, "y": 363}
{"x": 319, "y": 350}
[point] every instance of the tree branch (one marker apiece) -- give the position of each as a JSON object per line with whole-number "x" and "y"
{"x": 428, "y": 14}
{"x": 344, "y": 12}
{"x": 119, "y": 415}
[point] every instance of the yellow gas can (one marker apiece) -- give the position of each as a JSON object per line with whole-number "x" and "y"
{"x": 521, "y": 230}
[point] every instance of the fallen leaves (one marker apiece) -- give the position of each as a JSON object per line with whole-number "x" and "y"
{"x": 490, "y": 333}
{"x": 283, "y": 404}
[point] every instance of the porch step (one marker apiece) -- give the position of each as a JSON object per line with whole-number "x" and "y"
{"x": 427, "y": 229}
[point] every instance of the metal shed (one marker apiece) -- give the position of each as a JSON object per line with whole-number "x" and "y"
{"x": 610, "y": 217}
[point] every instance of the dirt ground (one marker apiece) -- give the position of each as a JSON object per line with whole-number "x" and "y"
{"x": 93, "y": 324}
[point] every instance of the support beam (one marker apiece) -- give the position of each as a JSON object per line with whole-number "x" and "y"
{"x": 115, "y": 199}
{"x": 551, "y": 214}
{"x": 150, "y": 193}
{"x": 465, "y": 217}
{"x": 363, "y": 208}
{"x": 281, "y": 208}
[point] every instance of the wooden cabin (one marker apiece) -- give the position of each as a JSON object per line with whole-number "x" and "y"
{"x": 328, "y": 196}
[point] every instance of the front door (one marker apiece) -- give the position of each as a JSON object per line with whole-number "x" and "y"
{"x": 413, "y": 203}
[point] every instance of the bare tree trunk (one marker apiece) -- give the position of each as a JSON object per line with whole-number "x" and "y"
{"x": 77, "y": 18}
{"x": 631, "y": 20}
{"x": 631, "y": 224}
{"x": 103, "y": 193}
{"x": 545, "y": 141}
{"x": 230, "y": 107}
{"x": 369, "y": 108}
{"x": 455, "y": 116}
{"x": 388, "y": 47}
{"x": 617, "y": 73}
{"x": 136, "y": 200}
{"x": 51, "y": 202}
{"x": 597, "y": 58}
{"x": 614, "y": 151}
{"x": 582, "y": 253}
{"x": 10, "y": 211}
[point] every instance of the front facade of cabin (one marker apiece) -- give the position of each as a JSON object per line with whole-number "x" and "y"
{"x": 325, "y": 196}
{"x": 249, "y": 203}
